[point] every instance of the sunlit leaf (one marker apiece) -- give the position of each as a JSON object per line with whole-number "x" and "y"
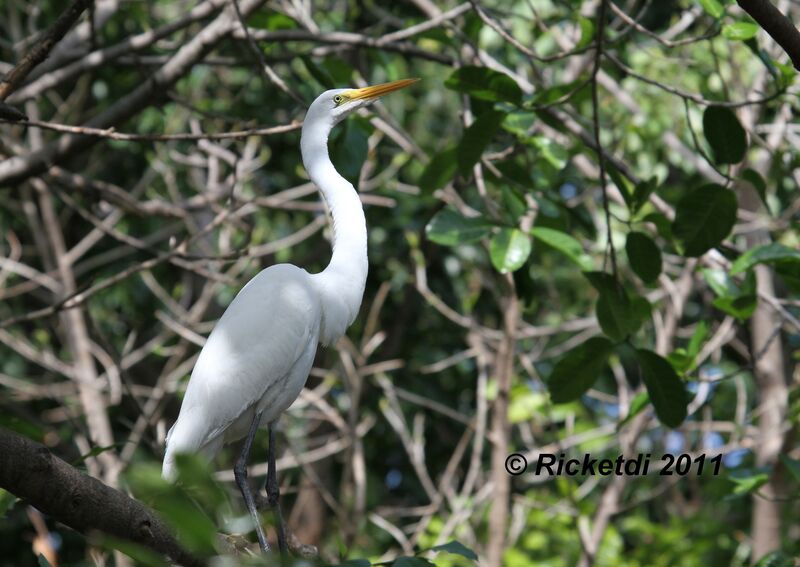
{"x": 665, "y": 388}
{"x": 587, "y": 31}
{"x": 449, "y": 228}
{"x": 740, "y": 31}
{"x": 748, "y": 483}
{"x": 509, "y": 249}
{"x": 565, "y": 244}
{"x": 712, "y": 7}
{"x": 766, "y": 254}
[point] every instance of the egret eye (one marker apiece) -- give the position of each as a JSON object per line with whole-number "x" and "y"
{"x": 338, "y": 99}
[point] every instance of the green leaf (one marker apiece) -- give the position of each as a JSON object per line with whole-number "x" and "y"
{"x": 439, "y": 171}
{"x": 740, "y": 31}
{"x": 7, "y": 500}
{"x": 354, "y": 563}
{"x": 766, "y": 254}
{"x": 741, "y": 307}
{"x": 457, "y": 548}
{"x": 665, "y": 388}
{"x": 748, "y": 484}
{"x": 725, "y": 134}
{"x": 565, "y": 244}
{"x": 638, "y": 403}
{"x": 476, "y": 137}
{"x": 713, "y": 8}
{"x": 319, "y": 74}
{"x": 758, "y": 183}
{"x": 509, "y": 249}
{"x": 553, "y": 152}
{"x": 449, "y": 228}
{"x": 704, "y": 217}
{"x": 792, "y": 465}
{"x": 587, "y": 32}
{"x": 514, "y": 206}
{"x": 618, "y": 315}
{"x": 140, "y": 554}
{"x": 776, "y": 559}
{"x": 697, "y": 340}
{"x": 484, "y": 84}
{"x": 579, "y": 369}
{"x": 644, "y": 256}
{"x": 412, "y": 562}
{"x": 641, "y": 193}
{"x": 349, "y": 149}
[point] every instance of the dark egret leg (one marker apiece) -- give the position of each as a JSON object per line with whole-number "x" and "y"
{"x": 274, "y": 492}
{"x": 240, "y": 474}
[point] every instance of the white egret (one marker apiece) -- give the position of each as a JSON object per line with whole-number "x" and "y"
{"x": 260, "y": 352}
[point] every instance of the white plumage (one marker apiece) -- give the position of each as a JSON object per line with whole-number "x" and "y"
{"x": 259, "y": 354}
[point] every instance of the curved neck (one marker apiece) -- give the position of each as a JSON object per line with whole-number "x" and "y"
{"x": 344, "y": 278}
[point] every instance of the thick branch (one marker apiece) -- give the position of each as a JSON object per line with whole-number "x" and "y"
{"x": 778, "y": 26}
{"x": 42, "y": 49}
{"x": 31, "y": 472}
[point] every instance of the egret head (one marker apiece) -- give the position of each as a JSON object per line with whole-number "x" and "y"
{"x": 339, "y": 103}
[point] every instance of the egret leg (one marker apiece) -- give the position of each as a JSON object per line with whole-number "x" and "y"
{"x": 274, "y": 492}
{"x": 240, "y": 474}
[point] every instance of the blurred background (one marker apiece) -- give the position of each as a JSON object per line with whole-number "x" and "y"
{"x": 583, "y": 235}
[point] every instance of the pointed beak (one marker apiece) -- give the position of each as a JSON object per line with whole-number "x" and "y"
{"x": 377, "y": 91}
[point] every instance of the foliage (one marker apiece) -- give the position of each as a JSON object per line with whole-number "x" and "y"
{"x": 634, "y": 297}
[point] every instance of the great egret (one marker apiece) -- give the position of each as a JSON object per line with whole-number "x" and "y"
{"x": 259, "y": 354}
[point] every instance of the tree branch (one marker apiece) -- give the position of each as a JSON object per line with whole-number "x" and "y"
{"x": 777, "y": 25}
{"x": 31, "y": 472}
{"x": 42, "y": 49}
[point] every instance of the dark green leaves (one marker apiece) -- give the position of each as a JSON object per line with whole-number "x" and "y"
{"x": 725, "y": 134}
{"x": 619, "y": 314}
{"x": 703, "y": 218}
{"x": 766, "y": 254}
{"x": 349, "y": 149}
{"x": 644, "y": 256}
{"x": 449, "y": 228}
{"x": 509, "y": 249}
{"x": 476, "y": 137}
{"x": 579, "y": 369}
{"x": 665, "y": 388}
{"x": 485, "y": 84}
{"x": 439, "y": 171}
{"x": 457, "y": 548}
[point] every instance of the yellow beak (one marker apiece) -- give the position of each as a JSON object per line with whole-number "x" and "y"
{"x": 377, "y": 91}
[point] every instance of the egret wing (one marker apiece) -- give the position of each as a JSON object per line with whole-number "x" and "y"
{"x": 252, "y": 350}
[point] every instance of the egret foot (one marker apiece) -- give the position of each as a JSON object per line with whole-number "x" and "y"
{"x": 240, "y": 474}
